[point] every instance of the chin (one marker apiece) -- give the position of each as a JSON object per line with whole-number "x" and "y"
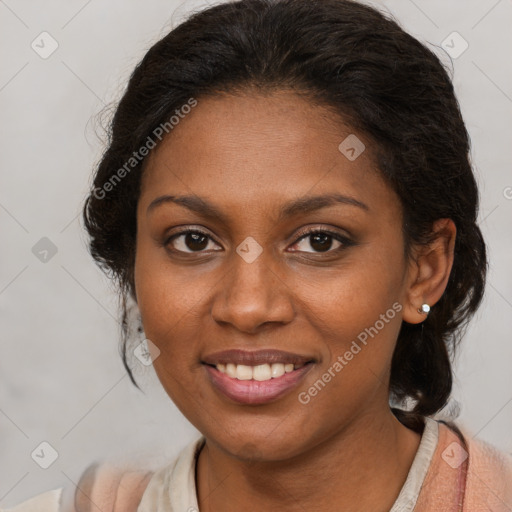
{"x": 250, "y": 446}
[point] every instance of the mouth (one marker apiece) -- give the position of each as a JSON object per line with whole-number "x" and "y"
{"x": 255, "y": 378}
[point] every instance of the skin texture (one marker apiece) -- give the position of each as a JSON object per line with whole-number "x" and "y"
{"x": 249, "y": 154}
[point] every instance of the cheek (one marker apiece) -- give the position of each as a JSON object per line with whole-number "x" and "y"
{"x": 168, "y": 301}
{"x": 358, "y": 327}
{"x": 358, "y": 302}
{"x": 168, "y": 305}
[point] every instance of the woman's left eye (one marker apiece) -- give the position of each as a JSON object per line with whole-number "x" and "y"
{"x": 321, "y": 241}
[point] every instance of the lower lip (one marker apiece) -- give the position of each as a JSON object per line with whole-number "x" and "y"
{"x": 254, "y": 392}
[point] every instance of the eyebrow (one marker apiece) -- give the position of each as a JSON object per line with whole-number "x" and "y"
{"x": 306, "y": 204}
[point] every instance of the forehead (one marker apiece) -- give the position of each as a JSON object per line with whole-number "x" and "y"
{"x": 259, "y": 149}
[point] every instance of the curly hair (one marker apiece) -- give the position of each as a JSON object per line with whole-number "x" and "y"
{"x": 362, "y": 65}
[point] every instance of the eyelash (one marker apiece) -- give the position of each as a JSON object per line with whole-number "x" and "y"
{"x": 346, "y": 242}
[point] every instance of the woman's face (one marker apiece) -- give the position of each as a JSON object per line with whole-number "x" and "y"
{"x": 254, "y": 174}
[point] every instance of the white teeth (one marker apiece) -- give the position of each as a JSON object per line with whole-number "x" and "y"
{"x": 277, "y": 370}
{"x": 230, "y": 370}
{"x": 243, "y": 372}
{"x": 260, "y": 372}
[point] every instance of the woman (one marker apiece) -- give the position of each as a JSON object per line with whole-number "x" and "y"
{"x": 287, "y": 198}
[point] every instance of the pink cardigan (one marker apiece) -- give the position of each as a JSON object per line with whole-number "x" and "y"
{"x": 461, "y": 478}
{"x": 475, "y": 478}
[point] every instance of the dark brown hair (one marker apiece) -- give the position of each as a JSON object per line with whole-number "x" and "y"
{"x": 382, "y": 81}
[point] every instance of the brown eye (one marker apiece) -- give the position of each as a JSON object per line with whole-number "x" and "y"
{"x": 321, "y": 241}
{"x": 189, "y": 241}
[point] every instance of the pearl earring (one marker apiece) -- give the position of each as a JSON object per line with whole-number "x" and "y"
{"x": 425, "y": 308}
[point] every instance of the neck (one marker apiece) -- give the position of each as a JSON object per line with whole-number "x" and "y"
{"x": 363, "y": 467}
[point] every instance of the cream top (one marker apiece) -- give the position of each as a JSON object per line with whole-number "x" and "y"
{"x": 173, "y": 488}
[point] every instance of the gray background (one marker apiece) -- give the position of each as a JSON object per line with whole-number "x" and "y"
{"x": 62, "y": 379}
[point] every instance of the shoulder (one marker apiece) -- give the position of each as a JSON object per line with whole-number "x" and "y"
{"x": 488, "y": 471}
{"x": 104, "y": 487}
{"x": 483, "y": 456}
{"x": 489, "y": 475}
{"x": 111, "y": 488}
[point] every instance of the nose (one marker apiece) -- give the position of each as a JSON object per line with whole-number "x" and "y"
{"x": 252, "y": 295}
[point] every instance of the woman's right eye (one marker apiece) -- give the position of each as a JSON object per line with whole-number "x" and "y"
{"x": 189, "y": 241}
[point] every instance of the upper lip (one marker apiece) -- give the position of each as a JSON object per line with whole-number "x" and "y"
{"x": 255, "y": 357}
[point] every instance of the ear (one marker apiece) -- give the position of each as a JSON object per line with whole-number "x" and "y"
{"x": 429, "y": 270}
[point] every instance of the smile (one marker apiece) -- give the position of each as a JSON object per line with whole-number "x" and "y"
{"x": 256, "y": 377}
